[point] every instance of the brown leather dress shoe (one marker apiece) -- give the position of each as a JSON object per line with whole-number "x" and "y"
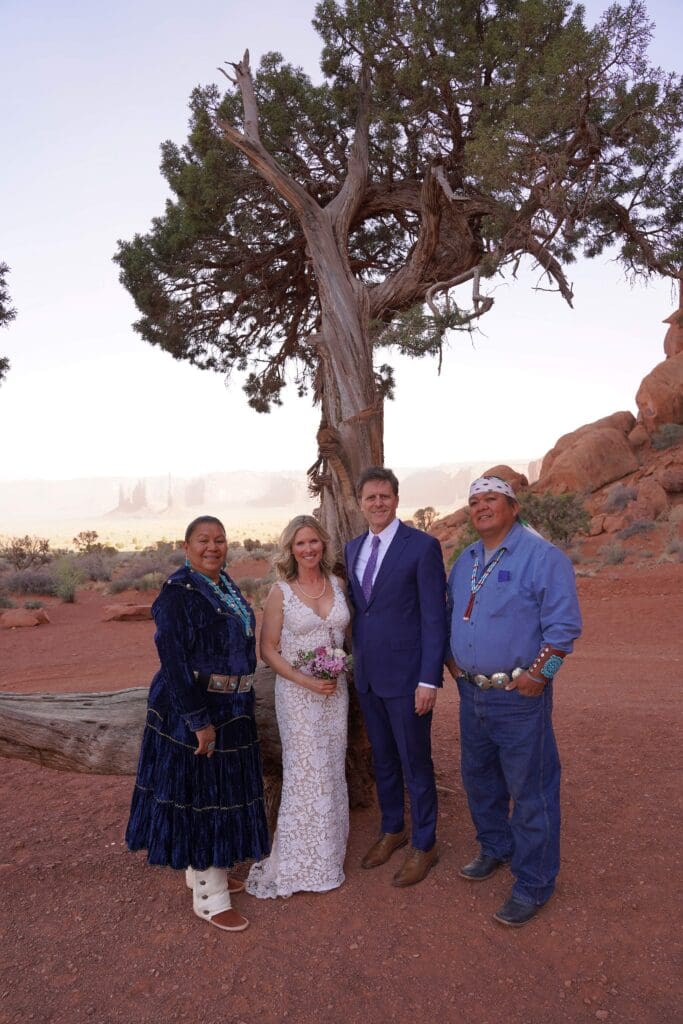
{"x": 416, "y": 865}
{"x": 383, "y": 849}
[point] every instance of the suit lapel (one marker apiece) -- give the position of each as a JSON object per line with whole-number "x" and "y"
{"x": 354, "y": 551}
{"x": 391, "y": 559}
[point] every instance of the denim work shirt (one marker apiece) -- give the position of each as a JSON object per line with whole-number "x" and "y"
{"x": 527, "y": 601}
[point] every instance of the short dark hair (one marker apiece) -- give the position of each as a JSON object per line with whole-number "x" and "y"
{"x": 377, "y": 473}
{"x": 198, "y": 522}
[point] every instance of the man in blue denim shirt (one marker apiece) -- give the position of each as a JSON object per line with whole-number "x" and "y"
{"x": 514, "y": 615}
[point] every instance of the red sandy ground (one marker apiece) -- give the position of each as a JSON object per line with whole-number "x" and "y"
{"x": 89, "y": 932}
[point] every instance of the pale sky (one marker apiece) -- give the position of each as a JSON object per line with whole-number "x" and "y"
{"x": 88, "y": 92}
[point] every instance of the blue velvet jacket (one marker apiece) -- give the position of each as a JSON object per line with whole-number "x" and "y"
{"x": 196, "y": 632}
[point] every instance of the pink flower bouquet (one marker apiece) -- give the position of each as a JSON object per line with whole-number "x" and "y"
{"x": 323, "y": 662}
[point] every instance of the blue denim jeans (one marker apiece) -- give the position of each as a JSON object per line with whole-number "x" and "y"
{"x": 509, "y": 757}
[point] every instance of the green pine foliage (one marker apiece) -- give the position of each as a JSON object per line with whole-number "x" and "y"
{"x": 559, "y": 517}
{"x": 7, "y": 313}
{"x": 553, "y": 139}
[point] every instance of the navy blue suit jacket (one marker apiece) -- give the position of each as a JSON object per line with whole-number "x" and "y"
{"x": 400, "y": 634}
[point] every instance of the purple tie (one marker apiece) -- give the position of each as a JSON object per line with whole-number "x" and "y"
{"x": 366, "y": 582}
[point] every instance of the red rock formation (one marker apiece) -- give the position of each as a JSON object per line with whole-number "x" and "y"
{"x": 673, "y": 339}
{"x": 670, "y": 472}
{"x": 21, "y": 617}
{"x": 660, "y": 396}
{"x": 594, "y": 455}
{"x": 127, "y": 612}
{"x": 651, "y": 500}
{"x": 614, "y": 450}
{"x": 516, "y": 480}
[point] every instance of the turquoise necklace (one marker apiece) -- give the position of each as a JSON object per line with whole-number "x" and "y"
{"x": 230, "y": 597}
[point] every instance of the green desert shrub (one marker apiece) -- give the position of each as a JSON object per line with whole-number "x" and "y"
{"x": 68, "y": 577}
{"x": 86, "y": 541}
{"x": 96, "y": 566}
{"x": 235, "y": 553}
{"x": 151, "y": 581}
{"x": 559, "y": 517}
{"x": 6, "y": 602}
{"x": 172, "y": 549}
{"x": 25, "y": 552}
{"x": 117, "y": 586}
{"x": 618, "y": 498}
{"x": 30, "y": 581}
{"x": 468, "y": 535}
{"x": 636, "y": 527}
{"x": 261, "y": 554}
{"x": 152, "y": 560}
{"x": 256, "y": 590}
{"x": 668, "y": 435}
{"x": 249, "y": 585}
{"x": 613, "y": 552}
{"x": 675, "y": 546}
{"x": 144, "y": 582}
{"x": 32, "y": 605}
{"x": 575, "y": 555}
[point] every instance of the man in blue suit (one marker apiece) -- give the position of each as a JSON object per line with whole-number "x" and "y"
{"x": 397, "y": 588}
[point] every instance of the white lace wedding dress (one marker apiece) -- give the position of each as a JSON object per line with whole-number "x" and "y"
{"x": 313, "y": 822}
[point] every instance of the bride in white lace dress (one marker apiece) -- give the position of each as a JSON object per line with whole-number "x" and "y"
{"x": 305, "y": 610}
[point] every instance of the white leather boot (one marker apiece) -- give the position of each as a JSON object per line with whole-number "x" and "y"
{"x": 234, "y": 884}
{"x": 210, "y": 897}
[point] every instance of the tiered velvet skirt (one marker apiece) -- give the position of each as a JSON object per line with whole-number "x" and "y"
{"x": 199, "y": 811}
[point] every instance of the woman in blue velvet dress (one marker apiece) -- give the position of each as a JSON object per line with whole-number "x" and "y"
{"x": 198, "y": 798}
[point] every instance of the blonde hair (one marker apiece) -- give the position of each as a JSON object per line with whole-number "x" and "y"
{"x": 284, "y": 562}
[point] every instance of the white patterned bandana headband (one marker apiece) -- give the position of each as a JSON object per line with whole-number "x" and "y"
{"x": 485, "y": 484}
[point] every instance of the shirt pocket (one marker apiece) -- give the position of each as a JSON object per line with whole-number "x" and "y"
{"x": 500, "y": 601}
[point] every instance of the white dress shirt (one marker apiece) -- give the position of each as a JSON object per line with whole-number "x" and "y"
{"x": 385, "y": 539}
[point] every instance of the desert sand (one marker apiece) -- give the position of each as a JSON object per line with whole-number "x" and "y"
{"x": 90, "y": 932}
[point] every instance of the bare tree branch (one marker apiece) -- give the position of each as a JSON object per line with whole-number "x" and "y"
{"x": 258, "y": 156}
{"x": 349, "y": 198}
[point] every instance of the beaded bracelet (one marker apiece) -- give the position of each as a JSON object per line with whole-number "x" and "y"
{"x": 548, "y": 662}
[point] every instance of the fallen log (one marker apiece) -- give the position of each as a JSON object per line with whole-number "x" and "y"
{"x": 99, "y": 733}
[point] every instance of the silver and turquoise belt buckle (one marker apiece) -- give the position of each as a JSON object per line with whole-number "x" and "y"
{"x": 246, "y": 683}
{"x": 496, "y": 681}
{"x": 222, "y": 684}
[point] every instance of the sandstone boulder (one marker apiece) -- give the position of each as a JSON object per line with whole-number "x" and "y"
{"x": 673, "y": 339}
{"x": 447, "y": 530}
{"x": 638, "y": 436}
{"x": 19, "y": 617}
{"x": 597, "y": 525}
{"x": 594, "y": 455}
{"x": 670, "y": 475}
{"x": 617, "y": 521}
{"x": 126, "y": 612}
{"x": 660, "y": 395}
{"x": 651, "y": 500}
{"x": 516, "y": 480}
